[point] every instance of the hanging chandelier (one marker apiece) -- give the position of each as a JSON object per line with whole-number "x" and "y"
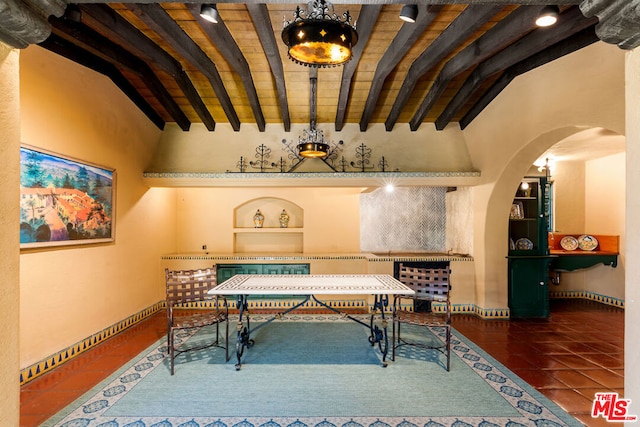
{"x": 312, "y": 144}
{"x": 317, "y": 37}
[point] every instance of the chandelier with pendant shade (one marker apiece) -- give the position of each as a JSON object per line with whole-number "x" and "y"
{"x": 317, "y": 37}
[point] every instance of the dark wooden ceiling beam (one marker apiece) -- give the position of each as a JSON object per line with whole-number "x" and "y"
{"x": 108, "y": 21}
{"x": 154, "y": 16}
{"x": 467, "y": 23}
{"x": 69, "y": 50}
{"x": 262, "y": 23}
{"x": 433, "y": 2}
{"x": 570, "y": 22}
{"x": 402, "y": 42}
{"x": 105, "y": 48}
{"x": 510, "y": 29}
{"x": 366, "y": 21}
{"x": 220, "y": 35}
{"x": 576, "y": 42}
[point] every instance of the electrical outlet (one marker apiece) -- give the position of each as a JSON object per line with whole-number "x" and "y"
{"x": 204, "y": 247}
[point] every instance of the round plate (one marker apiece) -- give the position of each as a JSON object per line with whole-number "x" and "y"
{"x": 524, "y": 244}
{"x": 587, "y": 242}
{"x": 569, "y": 243}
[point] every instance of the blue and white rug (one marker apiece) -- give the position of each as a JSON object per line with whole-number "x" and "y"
{"x": 313, "y": 371}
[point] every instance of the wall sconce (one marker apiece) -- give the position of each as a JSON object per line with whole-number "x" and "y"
{"x": 409, "y": 13}
{"x": 548, "y": 16}
{"x": 545, "y": 166}
{"x": 209, "y": 12}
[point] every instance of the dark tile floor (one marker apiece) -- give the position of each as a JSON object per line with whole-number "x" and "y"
{"x": 576, "y": 352}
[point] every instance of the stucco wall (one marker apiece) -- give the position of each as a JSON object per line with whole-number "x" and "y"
{"x": 70, "y": 293}
{"x": 205, "y": 216}
{"x": 202, "y": 151}
{"x": 9, "y": 215}
{"x": 632, "y": 231}
{"x": 537, "y": 110}
{"x": 590, "y": 199}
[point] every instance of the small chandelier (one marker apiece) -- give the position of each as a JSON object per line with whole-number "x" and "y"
{"x": 312, "y": 144}
{"x": 318, "y": 37}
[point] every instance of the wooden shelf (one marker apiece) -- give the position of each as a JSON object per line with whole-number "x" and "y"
{"x": 605, "y": 253}
{"x": 268, "y": 230}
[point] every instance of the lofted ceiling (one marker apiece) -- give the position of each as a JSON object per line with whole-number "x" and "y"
{"x": 444, "y": 68}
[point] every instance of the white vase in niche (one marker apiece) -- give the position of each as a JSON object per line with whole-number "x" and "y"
{"x": 258, "y": 219}
{"x": 284, "y": 219}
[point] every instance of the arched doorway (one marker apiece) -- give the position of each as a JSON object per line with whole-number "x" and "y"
{"x": 601, "y": 182}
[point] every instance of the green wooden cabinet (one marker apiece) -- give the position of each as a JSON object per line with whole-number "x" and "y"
{"x": 529, "y": 257}
{"x": 529, "y": 286}
{"x": 227, "y": 271}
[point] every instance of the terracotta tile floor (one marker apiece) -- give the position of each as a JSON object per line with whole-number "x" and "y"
{"x": 575, "y": 353}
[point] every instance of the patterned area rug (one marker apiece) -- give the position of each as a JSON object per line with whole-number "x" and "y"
{"x": 313, "y": 371}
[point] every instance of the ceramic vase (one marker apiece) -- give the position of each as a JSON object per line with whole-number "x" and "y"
{"x": 284, "y": 219}
{"x": 258, "y": 219}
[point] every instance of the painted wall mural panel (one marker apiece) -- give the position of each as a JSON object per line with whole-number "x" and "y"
{"x": 64, "y": 201}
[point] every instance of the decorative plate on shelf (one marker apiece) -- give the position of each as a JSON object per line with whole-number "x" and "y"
{"x": 587, "y": 242}
{"x": 524, "y": 244}
{"x": 569, "y": 243}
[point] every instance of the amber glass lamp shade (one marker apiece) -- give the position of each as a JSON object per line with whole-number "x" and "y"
{"x": 317, "y": 150}
{"x": 319, "y": 43}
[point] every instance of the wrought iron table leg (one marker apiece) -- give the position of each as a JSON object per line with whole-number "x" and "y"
{"x": 376, "y": 335}
{"x": 243, "y": 339}
{"x": 379, "y": 335}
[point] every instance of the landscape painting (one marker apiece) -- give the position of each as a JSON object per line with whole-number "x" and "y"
{"x": 64, "y": 201}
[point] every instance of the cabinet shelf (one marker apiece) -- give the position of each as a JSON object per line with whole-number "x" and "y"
{"x": 529, "y": 269}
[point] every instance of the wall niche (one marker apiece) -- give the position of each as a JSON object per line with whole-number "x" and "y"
{"x": 271, "y": 237}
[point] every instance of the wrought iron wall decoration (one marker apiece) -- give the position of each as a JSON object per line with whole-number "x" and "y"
{"x": 363, "y": 158}
{"x": 362, "y": 162}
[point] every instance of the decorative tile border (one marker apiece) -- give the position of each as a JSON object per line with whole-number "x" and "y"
{"x": 487, "y": 314}
{"x": 531, "y": 407}
{"x": 364, "y": 257}
{"x": 593, "y": 296}
{"x": 425, "y": 257}
{"x": 196, "y": 257}
{"x": 34, "y": 371}
{"x": 68, "y": 353}
{"x": 307, "y": 175}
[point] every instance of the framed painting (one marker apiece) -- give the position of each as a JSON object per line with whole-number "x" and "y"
{"x": 64, "y": 201}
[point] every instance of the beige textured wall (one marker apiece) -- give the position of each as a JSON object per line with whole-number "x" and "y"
{"x": 70, "y": 293}
{"x": 331, "y": 217}
{"x": 569, "y": 178}
{"x": 202, "y": 151}
{"x": 632, "y": 231}
{"x": 537, "y": 110}
{"x": 9, "y": 217}
{"x": 590, "y": 199}
{"x": 605, "y": 214}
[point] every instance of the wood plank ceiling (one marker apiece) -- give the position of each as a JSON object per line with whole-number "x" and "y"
{"x": 442, "y": 69}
